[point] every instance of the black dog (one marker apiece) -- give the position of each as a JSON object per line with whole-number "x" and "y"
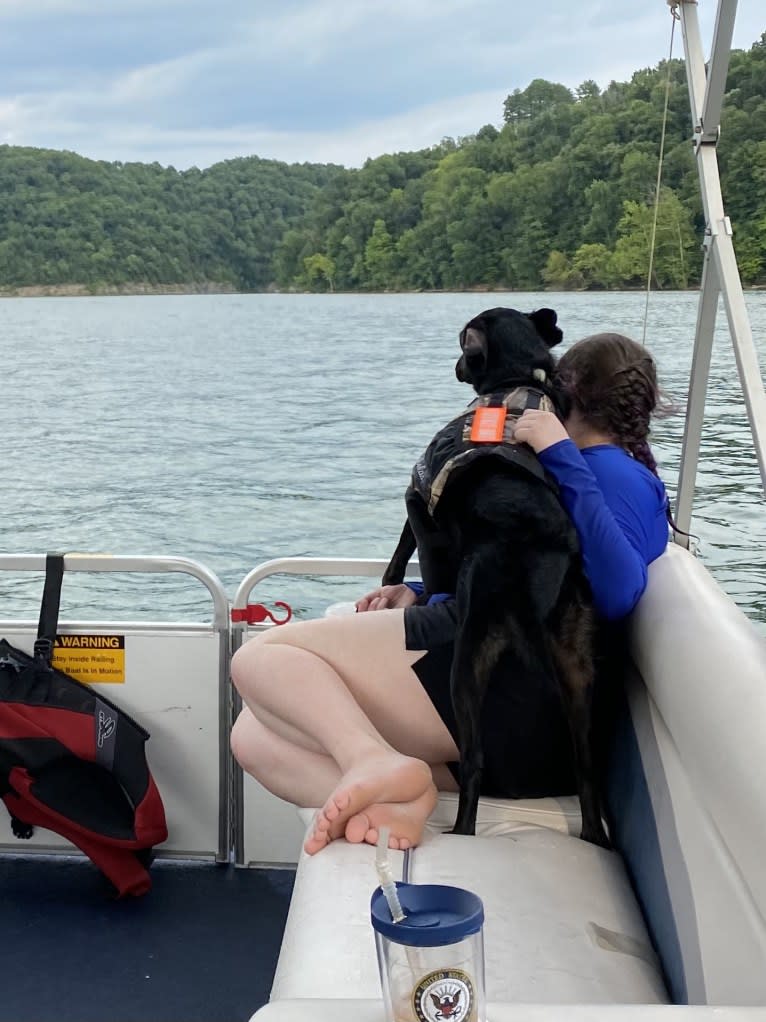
{"x": 489, "y": 527}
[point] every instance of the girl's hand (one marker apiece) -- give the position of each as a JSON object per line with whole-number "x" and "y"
{"x": 386, "y": 597}
{"x": 539, "y": 429}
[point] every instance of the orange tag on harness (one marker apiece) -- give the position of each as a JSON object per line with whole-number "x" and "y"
{"x": 487, "y": 426}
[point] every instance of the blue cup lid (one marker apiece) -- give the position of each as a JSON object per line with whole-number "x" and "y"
{"x": 434, "y": 915}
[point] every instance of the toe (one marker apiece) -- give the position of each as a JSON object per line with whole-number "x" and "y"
{"x": 357, "y": 829}
{"x": 336, "y": 805}
{"x": 336, "y": 830}
{"x": 371, "y": 837}
{"x": 315, "y": 843}
{"x": 330, "y": 811}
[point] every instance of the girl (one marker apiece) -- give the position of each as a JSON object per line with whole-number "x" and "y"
{"x": 353, "y": 714}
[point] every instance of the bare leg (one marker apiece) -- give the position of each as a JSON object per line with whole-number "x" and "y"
{"x": 308, "y": 696}
{"x": 288, "y": 771}
{"x": 344, "y": 687}
{"x": 309, "y": 778}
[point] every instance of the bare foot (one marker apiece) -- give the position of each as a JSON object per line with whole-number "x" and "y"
{"x": 383, "y": 778}
{"x": 405, "y": 820}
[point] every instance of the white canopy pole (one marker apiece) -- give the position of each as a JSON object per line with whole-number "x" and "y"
{"x": 720, "y": 273}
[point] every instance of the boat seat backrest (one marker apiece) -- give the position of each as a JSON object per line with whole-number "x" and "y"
{"x": 686, "y": 787}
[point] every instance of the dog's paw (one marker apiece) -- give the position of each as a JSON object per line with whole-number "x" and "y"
{"x": 468, "y": 829}
{"x": 596, "y": 836}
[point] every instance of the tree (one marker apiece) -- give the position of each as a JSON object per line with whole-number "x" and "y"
{"x": 559, "y": 273}
{"x": 320, "y": 271}
{"x": 588, "y": 90}
{"x": 673, "y": 264}
{"x": 379, "y": 256}
{"x": 595, "y": 266}
{"x": 538, "y": 96}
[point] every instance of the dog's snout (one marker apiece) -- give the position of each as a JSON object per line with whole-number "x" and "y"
{"x": 460, "y": 370}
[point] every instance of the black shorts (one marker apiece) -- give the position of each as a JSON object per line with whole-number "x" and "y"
{"x": 524, "y": 731}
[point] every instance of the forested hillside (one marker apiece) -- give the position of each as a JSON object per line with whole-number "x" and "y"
{"x": 560, "y": 196}
{"x": 68, "y": 220}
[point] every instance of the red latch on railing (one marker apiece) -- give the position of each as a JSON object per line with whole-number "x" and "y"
{"x": 256, "y": 613}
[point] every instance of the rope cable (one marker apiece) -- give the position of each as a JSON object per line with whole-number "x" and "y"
{"x": 675, "y": 17}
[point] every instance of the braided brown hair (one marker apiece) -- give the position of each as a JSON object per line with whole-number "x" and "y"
{"x": 612, "y": 382}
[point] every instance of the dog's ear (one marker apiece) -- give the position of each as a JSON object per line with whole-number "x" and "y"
{"x": 544, "y": 321}
{"x": 474, "y": 344}
{"x": 474, "y": 357}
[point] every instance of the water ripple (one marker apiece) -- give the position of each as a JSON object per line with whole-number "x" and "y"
{"x": 233, "y": 429}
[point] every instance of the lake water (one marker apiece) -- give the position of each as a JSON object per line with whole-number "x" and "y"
{"x": 233, "y": 429}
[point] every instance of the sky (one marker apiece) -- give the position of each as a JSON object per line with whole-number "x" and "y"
{"x": 193, "y": 82}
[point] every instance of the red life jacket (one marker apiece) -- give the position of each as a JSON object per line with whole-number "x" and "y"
{"x": 73, "y": 762}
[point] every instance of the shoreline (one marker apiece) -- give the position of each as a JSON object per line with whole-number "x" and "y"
{"x": 115, "y": 291}
{"x": 217, "y": 288}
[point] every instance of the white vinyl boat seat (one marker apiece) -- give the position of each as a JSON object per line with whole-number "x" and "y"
{"x": 674, "y": 914}
{"x": 562, "y": 924}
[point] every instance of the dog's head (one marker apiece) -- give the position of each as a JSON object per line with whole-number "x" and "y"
{"x": 504, "y": 348}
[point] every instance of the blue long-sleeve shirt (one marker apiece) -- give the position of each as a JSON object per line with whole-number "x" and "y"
{"x": 619, "y": 509}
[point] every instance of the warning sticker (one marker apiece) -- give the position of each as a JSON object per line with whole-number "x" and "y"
{"x": 91, "y": 658}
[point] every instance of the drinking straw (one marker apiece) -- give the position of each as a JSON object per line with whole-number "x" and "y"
{"x": 386, "y": 877}
{"x": 387, "y": 885}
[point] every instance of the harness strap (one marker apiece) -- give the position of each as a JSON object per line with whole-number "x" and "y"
{"x": 455, "y": 446}
{"x": 514, "y": 401}
{"x": 49, "y": 608}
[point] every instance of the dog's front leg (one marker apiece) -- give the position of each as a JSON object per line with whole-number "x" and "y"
{"x": 394, "y": 573}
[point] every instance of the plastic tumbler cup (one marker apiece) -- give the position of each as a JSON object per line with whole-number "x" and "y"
{"x": 432, "y": 962}
{"x": 340, "y": 609}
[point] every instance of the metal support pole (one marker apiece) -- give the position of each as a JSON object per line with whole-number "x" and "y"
{"x": 695, "y": 405}
{"x": 720, "y": 273}
{"x": 718, "y": 68}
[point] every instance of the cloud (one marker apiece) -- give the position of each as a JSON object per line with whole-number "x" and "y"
{"x": 40, "y": 9}
{"x": 188, "y": 82}
{"x": 417, "y": 128}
